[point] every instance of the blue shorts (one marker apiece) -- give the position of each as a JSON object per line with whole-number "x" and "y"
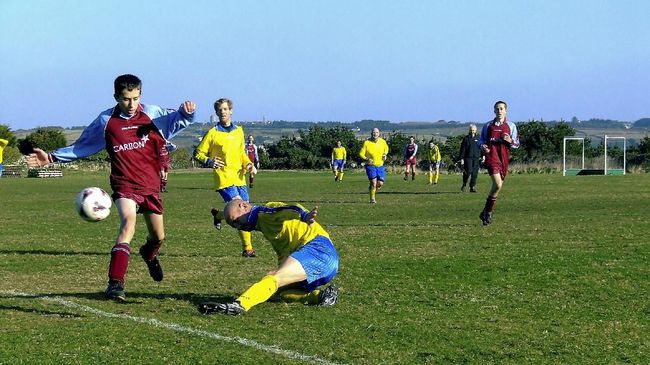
{"x": 338, "y": 164}
{"x": 1, "y": 169}
{"x": 319, "y": 260}
{"x": 232, "y": 192}
{"x": 376, "y": 172}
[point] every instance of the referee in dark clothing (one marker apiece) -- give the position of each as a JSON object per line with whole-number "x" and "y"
{"x": 470, "y": 156}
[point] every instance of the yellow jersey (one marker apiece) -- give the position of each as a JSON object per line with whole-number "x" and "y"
{"x": 226, "y": 143}
{"x": 434, "y": 154}
{"x": 339, "y": 153}
{"x": 3, "y": 144}
{"x": 374, "y": 150}
{"x": 284, "y": 226}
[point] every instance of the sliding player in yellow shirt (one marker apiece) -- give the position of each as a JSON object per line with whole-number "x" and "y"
{"x": 434, "y": 163}
{"x": 222, "y": 148}
{"x": 307, "y": 258}
{"x": 339, "y": 155}
{"x": 374, "y": 151}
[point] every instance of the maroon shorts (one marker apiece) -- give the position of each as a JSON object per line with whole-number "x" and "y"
{"x": 150, "y": 203}
{"x": 497, "y": 168}
{"x": 411, "y": 161}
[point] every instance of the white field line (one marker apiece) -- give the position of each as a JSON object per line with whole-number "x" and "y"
{"x": 176, "y": 327}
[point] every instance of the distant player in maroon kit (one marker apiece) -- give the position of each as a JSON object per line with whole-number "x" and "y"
{"x": 497, "y": 138}
{"x": 251, "y": 151}
{"x": 410, "y": 159}
{"x": 133, "y": 134}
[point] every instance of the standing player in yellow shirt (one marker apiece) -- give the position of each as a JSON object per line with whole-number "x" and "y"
{"x": 434, "y": 163}
{"x": 222, "y": 148}
{"x": 374, "y": 151}
{"x": 307, "y": 258}
{"x": 3, "y": 144}
{"x": 339, "y": 155}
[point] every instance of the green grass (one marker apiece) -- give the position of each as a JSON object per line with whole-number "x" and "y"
{"x": 562, "y": 276}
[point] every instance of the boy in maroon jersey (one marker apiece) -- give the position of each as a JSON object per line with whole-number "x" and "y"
{"x": 133, "y": 134}
{"x": 497, "y": 138}
{"x": 251, "y": 151}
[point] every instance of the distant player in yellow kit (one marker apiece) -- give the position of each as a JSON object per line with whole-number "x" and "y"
{"x": 374, "y": 152}
{"x": 3, "y": 144}
{"x": 307, "y": 258}
{"x": 339, "y": 155}
{"x": 434, "y": 163}
{"x": 222, "y": 148}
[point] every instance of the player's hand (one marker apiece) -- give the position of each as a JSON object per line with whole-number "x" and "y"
{"x": 251, "y": 168}
{"x": 507, "y": 138}
{"x": 383, "y": 157}
{"x": 189, "y": 107}
{"x": 369, "y": 161}
{"x": 311, "y": 216}
{"x": 485, "y": 148}
{"x": 461, "y": 162}
{"x": 38, "y": 158}
{"x": 217, "y": 163}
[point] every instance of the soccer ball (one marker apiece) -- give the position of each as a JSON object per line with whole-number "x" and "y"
{"x": 93, "y": 204}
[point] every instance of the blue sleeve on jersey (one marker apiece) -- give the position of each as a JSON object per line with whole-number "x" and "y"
{"x": 482, "y": 139}
{"x": 514, "y": 135}
{"x": 170, "y": 122}
{"x": 89, "y": 142}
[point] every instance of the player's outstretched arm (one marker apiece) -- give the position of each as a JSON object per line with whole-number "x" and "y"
{"x": 38, "y": 158}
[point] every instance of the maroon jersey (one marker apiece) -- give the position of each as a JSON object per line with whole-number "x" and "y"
{"x": 251, "y": 151}
{"x": 134, "y": 146}
{"x": 164, "y": 158}
{"x": 498, "y": 159}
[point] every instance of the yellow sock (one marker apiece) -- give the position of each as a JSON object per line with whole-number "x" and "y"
{"x": 430, "y": 177}
{"x": 437, "y": 177}
{"x": 259, "y": 292}
{"x": 373, "y": 192}
{"x": 299, "y": 296}
{"x": 246, "y": 240}
{"x": 340, "y": 176}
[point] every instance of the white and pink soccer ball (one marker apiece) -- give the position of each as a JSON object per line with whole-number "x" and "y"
{"x": 93, "y": 204}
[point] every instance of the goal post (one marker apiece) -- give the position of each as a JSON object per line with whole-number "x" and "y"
{"x": 608, "y": 168}
{"x": 572, "y": 171}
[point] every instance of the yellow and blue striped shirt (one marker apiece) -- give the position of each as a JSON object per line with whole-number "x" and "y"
{"x": 284, "y": 226}
{"x": 228, "y": 145}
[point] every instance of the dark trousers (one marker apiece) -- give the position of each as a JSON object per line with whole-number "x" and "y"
{"x": 470, "y": 171}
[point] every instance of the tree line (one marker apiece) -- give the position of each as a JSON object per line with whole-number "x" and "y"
{"x": 541, "y": 143}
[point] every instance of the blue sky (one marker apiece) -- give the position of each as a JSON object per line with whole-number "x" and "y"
{"x": 328, "y": 60}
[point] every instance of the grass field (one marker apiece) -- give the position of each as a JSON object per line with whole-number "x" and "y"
{"x": 562, "y": 276}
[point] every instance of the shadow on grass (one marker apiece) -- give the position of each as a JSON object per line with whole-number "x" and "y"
{"x": 53, "y": 253}
{"x": 131, "y": 297}
{"x": 106, "y": 253}
{"x": 38, "y": 311}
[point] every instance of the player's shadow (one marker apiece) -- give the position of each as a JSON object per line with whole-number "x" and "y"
{"x": 53, "y": 252}
{"x": 138, "y": 298}
{"x": 38, "y": 311}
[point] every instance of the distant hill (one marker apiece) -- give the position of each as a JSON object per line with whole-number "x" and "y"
{"x": 267, "y": 132}
{"x": 642, "y": 123}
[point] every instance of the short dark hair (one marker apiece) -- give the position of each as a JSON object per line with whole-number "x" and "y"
{"x": 501, "y": 102}
{"x": 221, "y": 101}
{"x": 127, "y": 81}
